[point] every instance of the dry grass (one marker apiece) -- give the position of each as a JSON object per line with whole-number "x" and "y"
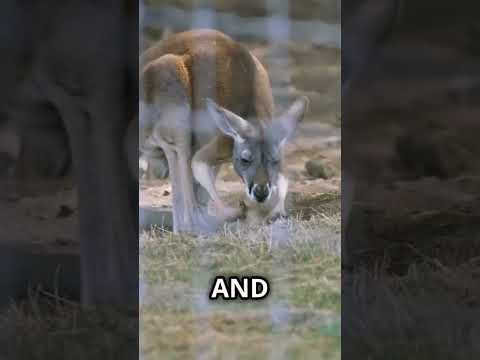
{"x": 46, "y": 327}
{"x": 430, "y": 313}
{"x": 429, "y": 308}
{"x": 299, "y": 320}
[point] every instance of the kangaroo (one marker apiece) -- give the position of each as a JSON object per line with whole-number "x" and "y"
{"x": 205, "y": 100}
{"x": 81, "y": 58}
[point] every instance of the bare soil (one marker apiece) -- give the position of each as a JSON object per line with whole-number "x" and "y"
{"x": 39, "y": 215}
{"x": 307, "y": 195}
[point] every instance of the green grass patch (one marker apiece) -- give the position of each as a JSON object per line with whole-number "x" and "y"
{"x": 300, "y": 319}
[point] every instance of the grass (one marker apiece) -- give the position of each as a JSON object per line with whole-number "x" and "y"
{"x": 50, "y": 328}
{"x": 300, "y": 319}
{"x": 422, "y": 298}
{"x": 429, "y": 313}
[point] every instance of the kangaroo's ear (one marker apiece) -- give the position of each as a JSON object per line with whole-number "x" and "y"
{"x": 229, "y": 123}
{"x": 286, "y": 125}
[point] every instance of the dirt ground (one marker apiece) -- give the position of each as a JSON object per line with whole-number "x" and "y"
{"x": 306, "y": 194}
{"x": 40, "y": 215}
{"x": 295, "y": 69}
{"x": 413, "y": 154}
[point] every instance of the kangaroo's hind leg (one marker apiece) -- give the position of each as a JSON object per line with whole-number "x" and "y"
{"x": 171, "y": 156}
{"x": 165, "y": 90}
{"x": 188, "y": 215}
{"x": 176, "y": 143}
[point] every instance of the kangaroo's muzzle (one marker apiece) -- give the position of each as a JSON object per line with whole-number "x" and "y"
{"x": 261, "y": 192}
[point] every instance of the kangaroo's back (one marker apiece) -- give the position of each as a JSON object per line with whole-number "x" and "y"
{"x": 212, "y": 65}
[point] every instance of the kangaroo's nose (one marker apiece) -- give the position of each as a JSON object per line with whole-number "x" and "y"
{"x": 261, "y": 192}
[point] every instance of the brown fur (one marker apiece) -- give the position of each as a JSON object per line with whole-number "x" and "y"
{"x": 195, "y": 52}
{"x": 189, "y": 82}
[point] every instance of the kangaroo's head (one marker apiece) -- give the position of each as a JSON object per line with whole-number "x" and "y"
{"x": 257, "y": 150}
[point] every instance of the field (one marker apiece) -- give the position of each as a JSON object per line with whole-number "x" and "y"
{"x": 411, "y": 131}
{"x": 299, "y": 319}
{"x": 39, "y": 218}
{"x": 300, "y": 256}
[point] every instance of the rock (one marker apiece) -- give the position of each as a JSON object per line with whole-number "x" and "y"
{"x": 317, "y": 168}
{"x": 64, "y": 211}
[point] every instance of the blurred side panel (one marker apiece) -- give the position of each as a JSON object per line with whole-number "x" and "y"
{"x": 68, "y": 188}
{"x": 410, "y": 179}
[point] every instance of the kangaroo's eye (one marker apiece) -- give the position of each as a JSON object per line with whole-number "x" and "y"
{"x": 246, "y": 161}
{"x": 246, "y": 157}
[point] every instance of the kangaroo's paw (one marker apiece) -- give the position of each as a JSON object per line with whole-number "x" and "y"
{"x": 276, "y": 217}
{"x": 202, "y": 223}
{"x": 225, "y": 213}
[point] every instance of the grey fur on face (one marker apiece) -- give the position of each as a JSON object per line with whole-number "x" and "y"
{"x": 257, "y": 152}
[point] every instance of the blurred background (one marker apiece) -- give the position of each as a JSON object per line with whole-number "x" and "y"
{"x": 410, "y": 129}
